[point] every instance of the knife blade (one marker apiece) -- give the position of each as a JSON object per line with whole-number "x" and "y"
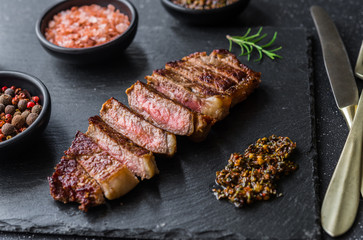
{"x": 337, "y": 64}
{"x": 340, "y": 204}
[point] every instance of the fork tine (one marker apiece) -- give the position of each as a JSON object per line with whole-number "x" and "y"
{"x": 359, "y": 65}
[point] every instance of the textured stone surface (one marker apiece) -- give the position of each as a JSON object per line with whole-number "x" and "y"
{"x": 22, "y": 52}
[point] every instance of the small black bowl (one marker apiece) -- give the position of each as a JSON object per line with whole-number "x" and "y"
{"x": 106, "y": 51}
{"x": 36, "y": 88}
{"x": 210, "y": 16}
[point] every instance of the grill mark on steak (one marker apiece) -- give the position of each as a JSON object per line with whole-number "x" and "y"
{"x": 229, "y": 75}
{"x": 157, "y": 109}
{"x": 71, "y": 183}
{"x": 220, "y": 57}
{"x": 194, "y": 87}
{"x": 230, "y": 59}
{"x": 201, "y": 75}
{"x": 113, "y": 177}
{"x": 138, "y": 160}
{"x": 194, "y": 96}
{"x": 138, "y": 130}
{"x": 214, "y": 64}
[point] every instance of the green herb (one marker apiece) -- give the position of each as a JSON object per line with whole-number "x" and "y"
{"x": 248, "y": 43}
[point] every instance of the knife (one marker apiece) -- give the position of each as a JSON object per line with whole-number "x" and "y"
{"x": 337, "y": 64}
{"x": 341, "y": 200}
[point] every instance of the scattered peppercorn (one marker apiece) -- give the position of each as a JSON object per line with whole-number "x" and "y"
{"x": 31, "y": 118}
{"x": 10, "y": 92}
{"x": 10, "y": 109}
{"x": 8, "y": 117}
{"x": 35, "y": 99}
{"x": 18, "y": 110}
{"x": 252, "y": 176}
{"x": 36, "y": 109}
{"x": 18, "y": 121}
{"x": 8, "y": 129}
{"x": 25, "y": 114}
{"x": 5, "y": 99}
{"x": 22, "y": 104}
{"x": 30, "y": 104}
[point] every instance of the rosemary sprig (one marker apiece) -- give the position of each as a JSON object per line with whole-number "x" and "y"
{"x": 248, "y": 43}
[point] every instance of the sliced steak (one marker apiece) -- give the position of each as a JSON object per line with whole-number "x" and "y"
{"x": 137, "y": 129}
{"x": 165, "y": 113}
{"x": 137, "y": 159}
{"x": 221, "y": 71}
{"x": 193, "y": 95}
{"x": 113, "y": 177}
{"x": 71, "y": 183}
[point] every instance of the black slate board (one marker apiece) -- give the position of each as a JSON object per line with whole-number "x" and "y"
{"x": 178, "y": 203}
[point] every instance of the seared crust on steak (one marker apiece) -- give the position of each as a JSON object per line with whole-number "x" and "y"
{"x": 191, "y": 94}
{"x": 113, "y": 177}
{"x": 137, "y": 159}
{"x": 214, "y": 64}
{"x": 137, "y": 129}
{"x": 247, "y": 85}
{"x": 71, "y": 183}
{"x": 201, "y": 75}
{"x": 221, "y": 71}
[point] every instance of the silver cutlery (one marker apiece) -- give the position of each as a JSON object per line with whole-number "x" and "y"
{"x": 341, "y": 199}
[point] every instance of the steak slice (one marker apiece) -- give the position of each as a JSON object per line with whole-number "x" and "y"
{"x": 247, "y": 84}
{"x": 162, "y": 112}
{"x": 201, "y": 75}
{"x": 215, "y": 64}
{"x": 137, "y": 129}
{"x": 221, "y": 71}
{"x": 137, "y": 159}
{"x": 165, "y": 113}
{"x": 71, "y": 183}
{"x": 196, "y": 97}
{"x": 113, "y": 177}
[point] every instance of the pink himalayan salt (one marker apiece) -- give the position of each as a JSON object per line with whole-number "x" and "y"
{"x": 86, "y": 26}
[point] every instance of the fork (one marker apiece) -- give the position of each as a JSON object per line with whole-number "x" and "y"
{"x": 359, "y": 65}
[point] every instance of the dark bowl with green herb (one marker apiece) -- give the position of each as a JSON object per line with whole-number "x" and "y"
{"x": 204, "y": 16}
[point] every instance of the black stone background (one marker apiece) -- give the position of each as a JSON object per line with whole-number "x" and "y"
{"x": 330, "y": 126}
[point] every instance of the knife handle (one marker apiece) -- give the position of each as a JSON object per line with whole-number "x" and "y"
{"x": 348, "y": 113}
{"x": 340, "y": 204}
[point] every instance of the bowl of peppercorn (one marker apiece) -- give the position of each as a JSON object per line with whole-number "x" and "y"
{"x": 204, "y": 12}
{"x": 87, "y": 31}
{"x": 25, "y": 108}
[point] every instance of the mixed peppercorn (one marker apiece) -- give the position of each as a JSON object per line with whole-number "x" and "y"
{"x": 252, "y": 176}
{"x": 18, "y": 110}
{"x": 203, "y": 4}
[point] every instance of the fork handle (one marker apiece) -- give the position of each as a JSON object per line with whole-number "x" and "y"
{"x": 340, "y": 204}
